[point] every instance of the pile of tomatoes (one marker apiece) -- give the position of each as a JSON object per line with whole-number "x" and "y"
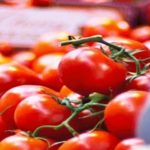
{"x": 87, "y": 94}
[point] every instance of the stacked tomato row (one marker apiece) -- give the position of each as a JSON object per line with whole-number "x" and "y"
{"x": 88, "y": 95}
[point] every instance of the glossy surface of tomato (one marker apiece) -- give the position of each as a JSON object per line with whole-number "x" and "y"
{"x": 22, "y": 142}
{"x": 129, "y": 144}
{"x": 51, "y": 44}
{"x": 14, "y": 74}
{"x": 42, "y": 109}
{"x": 25, "y": 58}
{"x": 14, "y": 96}
{"x": 122, "y": 112}
{"x": 98, "y": 140}
{"x": 105, "y": 27}
{"x": 86, "y": 70}
{"x": 141, "y": 33}
{"x": 139, "y": 83}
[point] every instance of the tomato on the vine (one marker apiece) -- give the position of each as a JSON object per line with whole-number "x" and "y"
{"x": 87, "y": 69}
{"x": 122, "y": 112}
{"x": 43, "y": 109}
{"x": 98, "y": 140}
{"x": 14, "y": 96}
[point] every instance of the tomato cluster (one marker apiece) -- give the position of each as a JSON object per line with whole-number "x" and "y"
{"x": 86, "y": 94}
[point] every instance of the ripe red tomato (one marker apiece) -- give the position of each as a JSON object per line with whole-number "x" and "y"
{"x": 14, "y": 96}
{"x": 139, "y": 83}
{"x": 141, "y": 33}
{"x": 47, "y": 66}
{"x": 105, "y": 27}
{"x": 24, "y": 57}
{"x": 5, "y": 48}
{"x": 87, "y": 69}
{"x": 42, "y": 3}
{"x": 46, "y": 111}
{"x": 131, "y": 45}
{"x": 122, "y": 112}
{"x": 3, "y": 129}
{"x": 98, "y": 140}
{"x": 128, "y": 144}
{"x": 24, "y": 142}
{"x": 51, "y": 44}
{"x": 14, "y": 74}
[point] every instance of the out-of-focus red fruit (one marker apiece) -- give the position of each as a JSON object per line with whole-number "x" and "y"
{"x": 42, "y": 3}
{"x": 141, "y": 34}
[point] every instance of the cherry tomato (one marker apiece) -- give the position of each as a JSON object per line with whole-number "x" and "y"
{"x": 48, "y": 44}
{"x": 24, "y": 142}
{"x": 128, "y": 144}
{"x": 46, "y": 111}
{"x": 14, "y": 74}
{"x": 24, "y": 57}
{"x": 98, "y": 140}
{"x": 139, "y": 83}
{"x": 122, "y": 112}
{"x": 141, "y": 33}
{"x": 14, "y": 96}
{"x": 105, "y": 27}
{"x": 5, "y": 48}
{"x": 87, "y": 69}
{"x": 131, "y": 45}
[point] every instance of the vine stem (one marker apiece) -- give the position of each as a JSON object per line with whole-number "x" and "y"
{"x": 101, "y": 40}
{"x": 75, "y": 112}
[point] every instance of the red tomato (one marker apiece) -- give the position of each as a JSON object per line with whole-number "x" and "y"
{"x": 23, "y": 142}
{"x": 131, "y": 45}
{"x": 46, "y": 111}
{"x": 5, "y": 48}
{"x": 141, "y": 33}
{"x": 87, "y": 69}
{"x": 122, "y": 112}
{"x": 14, "y": 96}
{"x": 14, "y": 74}
{"x": 139, "y": 83}
{"x": 105, "y": 27}
{"x": 51, "y": 44}
{"x": 40, "y": 2}
{"x": 47, "y": 66}
{"x": 128, "y": 144}
{"x": 3, "y": 129}
{"x": 24, "y": 57}
{"x": 98, "y": 140}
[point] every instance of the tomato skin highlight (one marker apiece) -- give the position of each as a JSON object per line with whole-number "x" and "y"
{"x": 97, "y": 140}
{"x": 86, "y": 70}
{"x": 128, "y": 144}
{"x": 122, "y": 112}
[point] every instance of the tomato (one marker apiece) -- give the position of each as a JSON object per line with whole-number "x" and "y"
{"x": 87, "y": 69}
{"x": 128, "y": 144}
{"x": 141, "y": 33}
{"x": 122, "y": 112}
{"x": 131, "y": 45}
{"x": 5, "y": 48}
{"x": 47, "y": 66}
{"x": 24, "y": 57}
{"x": 105, "y": 27}
{"x": 46, "y": 111}
{"x": 14, "y": 74}
{"x": 98, "y": 140}
{"x": 51, "y": 44}
{"x": 3, "y": 129}
{"x": 14, "y": 96}
{"x": 24, "y": 142}
{"x": 42, "y": 3}
{"x": 139, "y": 83}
